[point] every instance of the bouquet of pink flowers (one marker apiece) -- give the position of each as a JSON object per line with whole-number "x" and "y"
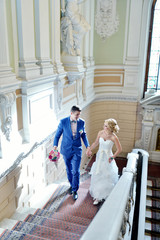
{"x": 54, "y": 155}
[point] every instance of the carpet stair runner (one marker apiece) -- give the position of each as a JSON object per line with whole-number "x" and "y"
{"x": 152, "y": 225}
{"x": 60, "y": 218}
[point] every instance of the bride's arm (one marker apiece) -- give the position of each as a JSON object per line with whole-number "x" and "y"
{"x": 96, "y": 142}
{"x": 118, "y": 146}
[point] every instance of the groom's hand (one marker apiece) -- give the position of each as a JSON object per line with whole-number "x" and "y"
{"x": 54, "y": 147}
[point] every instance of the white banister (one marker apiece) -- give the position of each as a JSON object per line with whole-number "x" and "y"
{"x": 142, "y": 207}
{"x": 107, "y": 223}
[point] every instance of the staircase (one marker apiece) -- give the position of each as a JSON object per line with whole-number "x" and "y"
{"x": 60, "y": 218}
{"x": 152, "y": 226}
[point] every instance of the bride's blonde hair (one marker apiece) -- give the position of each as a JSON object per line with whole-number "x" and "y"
{"x": 112, "y": 123}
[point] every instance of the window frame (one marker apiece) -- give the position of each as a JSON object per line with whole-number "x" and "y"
{"x": 149, "y": 46}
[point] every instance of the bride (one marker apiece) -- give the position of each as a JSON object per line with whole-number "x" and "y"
{"x": 104, "y": 171}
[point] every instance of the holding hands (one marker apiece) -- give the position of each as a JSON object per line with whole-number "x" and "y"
{"x": 89, "y": 152}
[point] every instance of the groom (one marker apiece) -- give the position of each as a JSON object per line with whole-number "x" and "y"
{"x": 73, "y": 129}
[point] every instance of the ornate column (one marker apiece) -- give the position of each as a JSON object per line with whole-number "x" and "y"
{"x": 7, "y": 78}
{"x": 132, "y": 51}
{"x": 42, "y": 36}
{"x": 28, "y": 68}
{"x": 91, "y": 34}
{"x": 86, "y": 43}
{"x": 88, "y": 89}
{"x": 55, "y": 35}
{"x": 147, "y": 127}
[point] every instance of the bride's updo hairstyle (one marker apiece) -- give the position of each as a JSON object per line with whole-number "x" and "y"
{"x": 112, "y": 123}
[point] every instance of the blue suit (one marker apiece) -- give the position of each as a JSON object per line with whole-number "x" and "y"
{"x": 71, "y": 148}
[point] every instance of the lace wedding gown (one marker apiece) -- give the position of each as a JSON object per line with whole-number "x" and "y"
{"x": 104, "y": 175}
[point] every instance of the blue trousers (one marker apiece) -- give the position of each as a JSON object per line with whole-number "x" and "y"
{"x": 73, "y": 170}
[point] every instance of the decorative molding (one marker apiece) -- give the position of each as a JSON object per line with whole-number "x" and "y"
{"x": 150, "y": 126}
{"x": 6, "y": 102}
{"x": 115, "y": 97}
{"x": 106, "y": 19}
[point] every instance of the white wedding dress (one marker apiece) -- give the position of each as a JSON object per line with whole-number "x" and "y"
{"x": 104, "y": 175}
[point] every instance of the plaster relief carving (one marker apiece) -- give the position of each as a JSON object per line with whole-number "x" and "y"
{"x": 106, "y": 19}
{"x": 73, "y": 27}
{"x": 148, "y": 115}
{"x": 150, "y": 127}
{"x": 6, "y": 102}
{"x": 147, "y": 137}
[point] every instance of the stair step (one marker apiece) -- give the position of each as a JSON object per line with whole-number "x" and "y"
{"x": 149, "y": 183}
{"x": 150, "y": 204}
{"x": 154, "y": 182}
{"x": 153, "y": 198}
{"x": 22, "y": 213}
{"x": 154, "y": 235}
{"x": 148, "y": 213}
{"x": 10, "y": 234}
{"x": 1, "y": 230}
{"x": 44, "y": 231}
{"x": 7, "y": 223}
{"x": 153, "y": 188}
{"x": 153, "y": 228}
{"x": 50, "y": 219}
{"x": 88, "y": 214}
{"x": 39, "y": 199}
{"x": 74, "y": 208}
{"x": 149, "y": 192}
{"x": 147, "y": 237}
{"x": 50, "y": 223}
{"x": 152, "y": 220}
{"x": 153, "y": 214}
{"x": 154, "y": 209}
{"x": 63, "y": 216}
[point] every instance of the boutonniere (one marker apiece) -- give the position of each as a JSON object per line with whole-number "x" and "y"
{"x": 80, "y": 131}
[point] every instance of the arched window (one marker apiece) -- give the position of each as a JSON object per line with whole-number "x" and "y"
{"x": 152, "y": 76}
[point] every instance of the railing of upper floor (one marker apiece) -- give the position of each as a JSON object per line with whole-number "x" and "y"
{"x": 115, "y": 218}
{"x": 23, "y": 155}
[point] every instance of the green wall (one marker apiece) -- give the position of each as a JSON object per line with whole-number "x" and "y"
{"x": 111, "y": 51}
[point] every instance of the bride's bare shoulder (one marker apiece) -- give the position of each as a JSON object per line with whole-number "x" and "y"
{"x": 113, "y": 137}
{"x": 100, "y": 132}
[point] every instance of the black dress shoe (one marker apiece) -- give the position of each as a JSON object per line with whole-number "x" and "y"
{"x": 75, "y": 195}
{"x": 70, "y": 191}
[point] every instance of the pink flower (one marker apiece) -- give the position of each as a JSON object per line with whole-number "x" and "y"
{"x": 54, "y": 155}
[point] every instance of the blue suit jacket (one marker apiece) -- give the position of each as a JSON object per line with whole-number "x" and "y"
{"x": 68, "y": 144}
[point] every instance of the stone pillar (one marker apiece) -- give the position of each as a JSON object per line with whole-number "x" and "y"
{"x": 42, "y": 36}
{"x": 86, "y": 44}
{"x": 7, "y": 77}
{"x": 132, "y": 53}
{"x": 75, "y": 72}
{"x": 91, "y": 33}
{"x": 55, "y": 35}
{"x": 28, "y": 68}
{"x": 88, "y": 91}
